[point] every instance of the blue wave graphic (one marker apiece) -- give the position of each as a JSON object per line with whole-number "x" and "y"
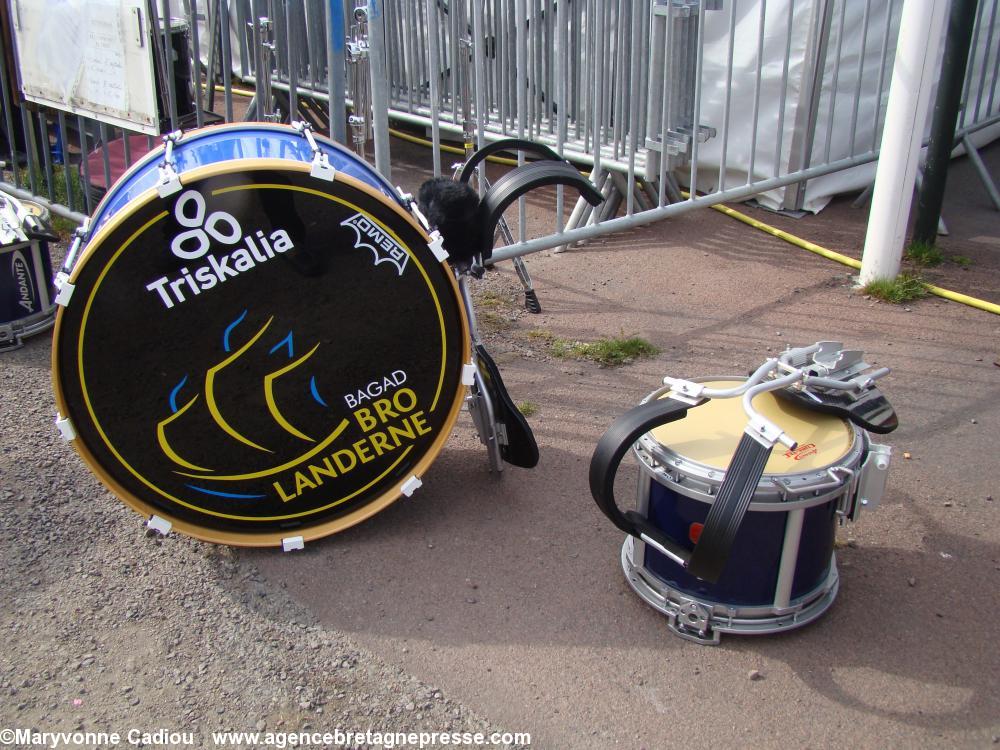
{"x": 229, "y": 329}
{"x": 174, "y": 392}
{"x": 315, "y": 393}
{"x": 234, "y": 495}
{"x": 287, "y": 340}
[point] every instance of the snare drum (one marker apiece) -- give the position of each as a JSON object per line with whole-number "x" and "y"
{"x": 257, "y": 345}
{"x": 27, "y": 304}
{"x": 782, "y": 571}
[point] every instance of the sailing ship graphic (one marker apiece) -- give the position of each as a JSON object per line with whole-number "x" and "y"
{"x": 206, "y": 433}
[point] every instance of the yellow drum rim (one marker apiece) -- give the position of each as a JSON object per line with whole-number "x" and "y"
{"x": 264, "y": 538}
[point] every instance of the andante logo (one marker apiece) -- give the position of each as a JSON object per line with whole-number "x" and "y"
{"x": 195, "y": 242}
{"x": 385, "y": 248}
{"x": 21, "y": 272}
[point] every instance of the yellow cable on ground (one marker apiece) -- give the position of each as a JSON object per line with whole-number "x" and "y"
{"x": 781, "y": 234}
{"x": 812, "y": 247}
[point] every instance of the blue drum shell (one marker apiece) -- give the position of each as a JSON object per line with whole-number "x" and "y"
{"x": 224, "y": 143}
{"x": 751, "y": 575}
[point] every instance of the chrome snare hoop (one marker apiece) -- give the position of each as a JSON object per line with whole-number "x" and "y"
{"x": 268, "y": 354}
{"x": 782, "y": 571}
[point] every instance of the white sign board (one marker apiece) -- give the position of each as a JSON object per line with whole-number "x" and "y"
{"x": 89, "y": 57}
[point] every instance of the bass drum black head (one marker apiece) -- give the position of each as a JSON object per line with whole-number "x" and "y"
{"x": 261, "y": 355}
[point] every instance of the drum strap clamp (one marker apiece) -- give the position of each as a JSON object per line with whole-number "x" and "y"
{"x": 65, "y": 427}
{"x": 160, "y": 525}
{"x": 170, "y": 181}
{"x": 468, "y": 374}
{"x": 321, "y": 167}
{"x": 411, "y": 485}
{"x": 292, "y": 543}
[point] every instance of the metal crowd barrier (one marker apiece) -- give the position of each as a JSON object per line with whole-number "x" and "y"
{"x": 717, "y": 99}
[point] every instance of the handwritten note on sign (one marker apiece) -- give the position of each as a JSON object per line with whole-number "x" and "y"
{"x": 89, "y": 57}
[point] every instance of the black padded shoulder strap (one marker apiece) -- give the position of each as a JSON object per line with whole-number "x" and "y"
{"x": 519, "y": 181}
{"x": 708, "y": 559}
{"x": 608, "y": 455}
{"x": 506, "y": 144}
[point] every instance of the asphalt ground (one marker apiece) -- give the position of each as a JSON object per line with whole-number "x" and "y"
{"x": 509, "y": 592}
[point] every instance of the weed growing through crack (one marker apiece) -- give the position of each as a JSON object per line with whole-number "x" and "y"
{"x": 527, "y": 408}
{"x": 607, "y": 352}
{"x": 903, "y": 288}
{"x": 924, "y": 254}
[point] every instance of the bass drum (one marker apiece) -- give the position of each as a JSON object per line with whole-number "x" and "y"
{"x": 254, "y": 349}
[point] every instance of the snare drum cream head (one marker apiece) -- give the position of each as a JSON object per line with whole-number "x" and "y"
{"x": 710, "y": 432}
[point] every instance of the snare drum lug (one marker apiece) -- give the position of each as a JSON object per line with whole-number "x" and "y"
{"x": 170, "y": 181}
{"x": 292, "y": 543}
{"x": 411, "y": 485}
{"x": 160, "y": 525}
{"x": 693, "y": 621}
{"x": 65, "y": 288}
{"x": 468, "y": 374}
{"x": 65, "y": 426}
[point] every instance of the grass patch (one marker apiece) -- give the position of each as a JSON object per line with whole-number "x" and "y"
{"x": 924, "y": 254}
{"x": 903, "y": 288}
{"x": 527, "y": 408}
{"x": 59, "y": 193}
{"x": 607, "y": 352}
{"x": 960, "y": 260}
{"x": 489, "y": 321}
{"x": 538, "y": 335}
{"x": 490, "y": 300}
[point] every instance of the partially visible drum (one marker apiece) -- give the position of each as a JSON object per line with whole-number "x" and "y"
{"x": 257, "y": 345}
{"x": 27, "y": 304}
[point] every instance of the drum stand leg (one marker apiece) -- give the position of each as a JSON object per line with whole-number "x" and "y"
{"x": 479, "y": 402}
{"x": 531, "y": 303}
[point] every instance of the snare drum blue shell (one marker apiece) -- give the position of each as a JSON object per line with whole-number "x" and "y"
{"x": 751, "y": 576}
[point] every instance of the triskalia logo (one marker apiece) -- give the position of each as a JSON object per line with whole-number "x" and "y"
{"x": 194, "y": 243}
{"x": 385, "y": 248}
{"x": 201, "y": 228}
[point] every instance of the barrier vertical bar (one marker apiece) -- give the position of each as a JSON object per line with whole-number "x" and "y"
{"x": 986, "y": 59}
{"x": 479, "y": 59}
{"x": 909, "y": 97}
{"x": 807, "y": 109}
{"x": 195, "y": 67}
{"x": 633, "y": 141}
{"x": 336, "y": 70}
{"x": 881, "y": 75}
{"x": 756, "y": 91}
{"x": 380, "y": 91}
{"x": 861, "y": 74}
{"x": 434, "y": 69}
{"x": 723, "y": 149}
{"x": 521, "y": 77}
{"x": 561, "y": 71}
{"x": 292, "y": 56}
